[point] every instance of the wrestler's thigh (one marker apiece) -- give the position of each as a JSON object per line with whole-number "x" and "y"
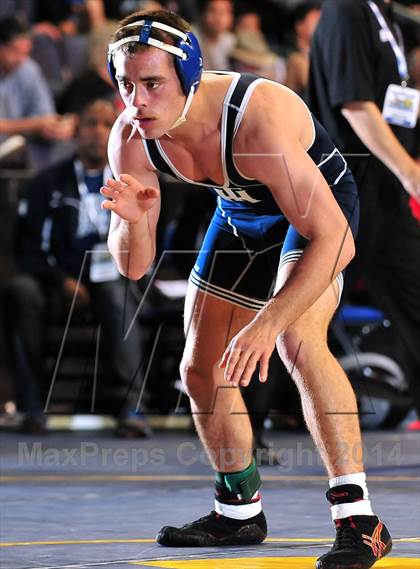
{"x": 209, "y": 325}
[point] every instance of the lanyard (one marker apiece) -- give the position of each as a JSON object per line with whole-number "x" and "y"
{"x": 396, "y": 47}
{"x": 95, "y": 216}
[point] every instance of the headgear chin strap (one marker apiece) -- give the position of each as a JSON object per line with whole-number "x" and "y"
{"x": 182, "y": 118}
{"x": 188, "y": 58}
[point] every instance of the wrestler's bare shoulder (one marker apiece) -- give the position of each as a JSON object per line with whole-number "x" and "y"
{"x": 217, "y": 80}
{"x": 275, "y": 105}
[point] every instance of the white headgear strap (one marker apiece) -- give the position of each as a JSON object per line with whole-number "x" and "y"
{"x": 151, "y": 41}
{"x": 181, "y": 119}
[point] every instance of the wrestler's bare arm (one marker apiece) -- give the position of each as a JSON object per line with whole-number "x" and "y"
{"x": 134, "y": 200}
{"x": 274, "y": 134}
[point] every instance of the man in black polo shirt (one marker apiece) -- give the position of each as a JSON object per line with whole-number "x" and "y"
{"x": 356, "y": 56}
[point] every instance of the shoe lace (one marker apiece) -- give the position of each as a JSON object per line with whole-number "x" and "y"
{"x": 346, "y": 536}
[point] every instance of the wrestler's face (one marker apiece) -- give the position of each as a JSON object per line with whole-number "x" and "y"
{"x": 150, "y": 89}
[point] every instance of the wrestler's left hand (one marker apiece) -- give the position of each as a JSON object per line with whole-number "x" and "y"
{"x": 254, "y": 343}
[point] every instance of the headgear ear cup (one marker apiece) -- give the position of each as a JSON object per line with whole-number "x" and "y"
{"x": 189, "y": 66}
{"x": 111, "y": 69}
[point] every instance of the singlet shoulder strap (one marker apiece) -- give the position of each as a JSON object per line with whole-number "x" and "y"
{"x": 236, "y": 105}
{"x": 155, "y": 157}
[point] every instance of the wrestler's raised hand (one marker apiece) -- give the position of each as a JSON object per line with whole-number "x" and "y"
{"x": 128, "y": 198}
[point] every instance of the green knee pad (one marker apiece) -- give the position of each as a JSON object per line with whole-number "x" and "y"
{"x": 245, "y": 483}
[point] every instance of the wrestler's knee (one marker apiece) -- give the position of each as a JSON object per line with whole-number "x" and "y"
{"x": 298, "y": 347}
{"x": 194, "y": 378}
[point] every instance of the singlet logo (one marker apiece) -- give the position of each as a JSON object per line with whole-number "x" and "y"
{"x": 235, "y": 195}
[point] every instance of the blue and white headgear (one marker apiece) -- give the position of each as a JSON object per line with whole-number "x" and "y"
{"x": 188, "y": 58}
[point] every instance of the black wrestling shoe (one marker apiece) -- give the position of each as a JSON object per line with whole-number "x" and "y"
{"x": 215, "y": 529}
{"x": 360, "y": 542}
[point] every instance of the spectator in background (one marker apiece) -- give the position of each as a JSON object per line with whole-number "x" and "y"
{"x": 414, "y": 70}
{"x": 251, "y": 52}
{"x": 248, "y": 20}
{"x": 356, "y": 59}
{"x": 26, "y": 104}
{"x": 414, "y": 66}
{"x": 99, "y": 11}
{"x": 59, "y": 17}
{"x": 407, "y": 13}
{"x": 94, "y": 82}
{"x": 20, "y": 8}
{"x": 305, "y": 19}
{"x": 186, "y": 8}
{"x": 62, "y": 220}
{"x": 214, "y": 33}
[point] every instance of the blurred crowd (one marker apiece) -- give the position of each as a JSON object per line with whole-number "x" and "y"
{"x": 57, "y": 105}
{"x": 52, "y": 57}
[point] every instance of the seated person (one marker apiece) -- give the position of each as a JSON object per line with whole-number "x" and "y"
{"x": 62, "y": 255}
{"x": 305, "y": 17}
{"x": 26, "y": 104}
{"x": 94, "y": 81}
{"x": 215, "y": 33}
{"x": 252, "y": 52}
